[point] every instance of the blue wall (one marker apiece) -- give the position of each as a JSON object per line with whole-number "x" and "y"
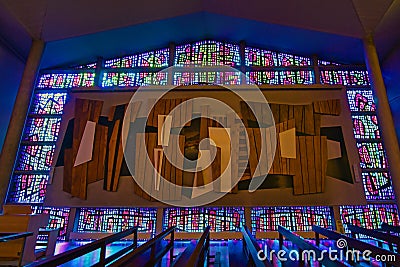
{"x": 11, "y": 69}
{"x": 391, "y": 75}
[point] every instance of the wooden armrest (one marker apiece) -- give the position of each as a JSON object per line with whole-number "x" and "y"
{"x": 7, "y": 237}
{"x": 52, "y": 235}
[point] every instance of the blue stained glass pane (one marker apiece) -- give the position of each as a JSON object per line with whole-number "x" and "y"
{"x": 378, "y": 186}
{"x": 27, "y": 188}
{"x": 366, "y": 127}
{"x": 210, "y": 77}
{"x": 35, "y": 158}
{"x": 372, "y": 155}
{"x": 294, "y": 218}
{"x": 116, "y": 219}
{"x": 207, "y": 53}
{"x": 361, "y": 100}
{"x": 58, "y": 219}
{"x": 196, "y": 219}
{"x": 260, "y": 58}
{"x": 42, "y": 129}
{"x": 63, "y": 80}
{"x": 369, "y": 216}
{"x": 48, "y": 103}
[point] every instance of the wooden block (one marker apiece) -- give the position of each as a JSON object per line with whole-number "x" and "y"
{"x": 317, "y": 124}
{"x": 112, "y": 144}
{"x": 327, "y": 107}
{"x": 324, "y": 159}
{"x": 304, "y": 164}
{"x": 189, "y": 112}
{"x": 311, "y": 163}
{"x": 283, "y": 112}
{"x": 176, "y": 118}
{"x": 179, "y": 171}
{"x": 149, "y": 178}
{"x": 298, "y": 188}
{"x": 318, "y": 162}
{"x": 253, "y": 160}
{"x": 299, "y": 118}
{"x": 67, "y": 176}
{"x": 235, "y": 151}
{"x": 134, "y": 112}
{"x": 309, "y": 120}
{"x": 290, "y": 112}
{"x": 275, "y": 112}
{"x": 217, "y": 170}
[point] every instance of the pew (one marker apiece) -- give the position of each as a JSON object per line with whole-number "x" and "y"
{"x": 352, "y": 243}
{"x": 251, "y": 249}
{"x": 18, "y": 219}
{"x": 390, "y": 239}
{"x": 195, "y": 255}
{"x": 303, "y": 245}
{"x": 101, "y": 244}
{"x": 9, "y": 237}
{"x": 149, "y": 253}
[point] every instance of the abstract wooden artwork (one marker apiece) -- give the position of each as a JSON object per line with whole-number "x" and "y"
{"x": 234, "y": 152}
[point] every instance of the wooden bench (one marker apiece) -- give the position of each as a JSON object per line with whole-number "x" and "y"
{"x": 95, "y": 245}
{"x": 390, "y": 239}
{"x": 390, "y": 228}
{"x": 252, "y": 250}
{"x": 18, "y": 219}
{"x": 195, "y": 255}
{"x": 359, "y": 245}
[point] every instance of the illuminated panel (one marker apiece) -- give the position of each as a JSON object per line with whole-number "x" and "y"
{"x": 35, "y": 158}
{"x": 196, "y": 219}
{"x": 292, "y": 60}
{"x": 260, "y": 58}
{"x": 361, "y": 100}
{"x": 296, "y": 77}
{"x": 365, "y": 127}
{"x": 207, "y": 53}
{"x": 369, "y": 216}
{"x": 64, "y": 80}
{"x": 42, "y": 129}
{"x": 210, "y": 77}
{"x": 27, "y": 188}
{"x": 152, "y": 59}
{"x": 116, "y": 219}
{"x": 87, "y": 66}
{"x": 124, "y": 79}
{"x": 263, "y": 77}
{"x": 48, "y": 103}
{"x": 294, "y": 218}
{"x": 58, "y": 219}
{"x": 351, "y": 78}
{"x": 378, "y": 186}
{"x": 372, "y": 155}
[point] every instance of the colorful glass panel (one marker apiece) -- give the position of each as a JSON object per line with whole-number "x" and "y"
{"x": 369, "y": 216}
{"x": 263, "y": 77}
{"x": 366, "y": 127}
{"x": 35, "y": 158}
{"x": 58, "y": 219}
{"x": 42, "y": 129}
{"x": 372, "y": 155}
{"x": 211, "y": 77}
{"x": 152, "y": 59}
{"x": 27, "y": 188}
{"x": 292, "y": 60}
{"x": 260, "y": 58}
{"x": 63, "y": 80}
{"x": 207, "y": 53}
{"x": 361, "y": 100}
{"x": 378, "y": 186}
{"x": 116, "y": 219}
{"x": 196, "y": 219}
{"x": 294, "y": 218}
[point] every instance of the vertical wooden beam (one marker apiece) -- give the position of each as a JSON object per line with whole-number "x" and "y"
{"x": 384, "y": 113}
{"x": 18, "y": 115}
{"x": 317, "y": 73}
{"x": 247, "y": 218}
{"x": 159, "y": 220}
{"x": 71, "y": 222}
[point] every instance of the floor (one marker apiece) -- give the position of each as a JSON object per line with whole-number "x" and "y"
{"x": 220, "y": 251}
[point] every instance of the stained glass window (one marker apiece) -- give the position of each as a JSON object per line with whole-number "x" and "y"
{"x": 211, "y": 77}
{"x": 207, "y": 53}
{"x": 350, "y": 78}
{"x": 260, "y": 58}
{"x": 116, "y": 219}
{"x": 292, "y": 60}
{"x": 40, "y": 129}
{"x": 361, "y": 100}
{"x": 378, "y": 186}
{"x": 293, "y": 218}
{"x": 48, "y": 103}
{"x": 27, "y": 188}
{"x": 369, "y": 216}
{"x": 58, "y": 219}
{"x": 152, "y": 59}
{"x": 35, "y": 158}
{"x": 372, "y": 155}
{"x": 327, "y": 63}
{"x": 366, "y": 127}
{"x": 196, "y": 219}
{"x": 63, "y": 80}
{"x": 296, "y": 77}
{"x": 124, "y": 79}
{"x": 263, "y": 77}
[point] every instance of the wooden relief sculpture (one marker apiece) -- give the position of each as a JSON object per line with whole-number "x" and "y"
{"x": 93, "y": 150}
